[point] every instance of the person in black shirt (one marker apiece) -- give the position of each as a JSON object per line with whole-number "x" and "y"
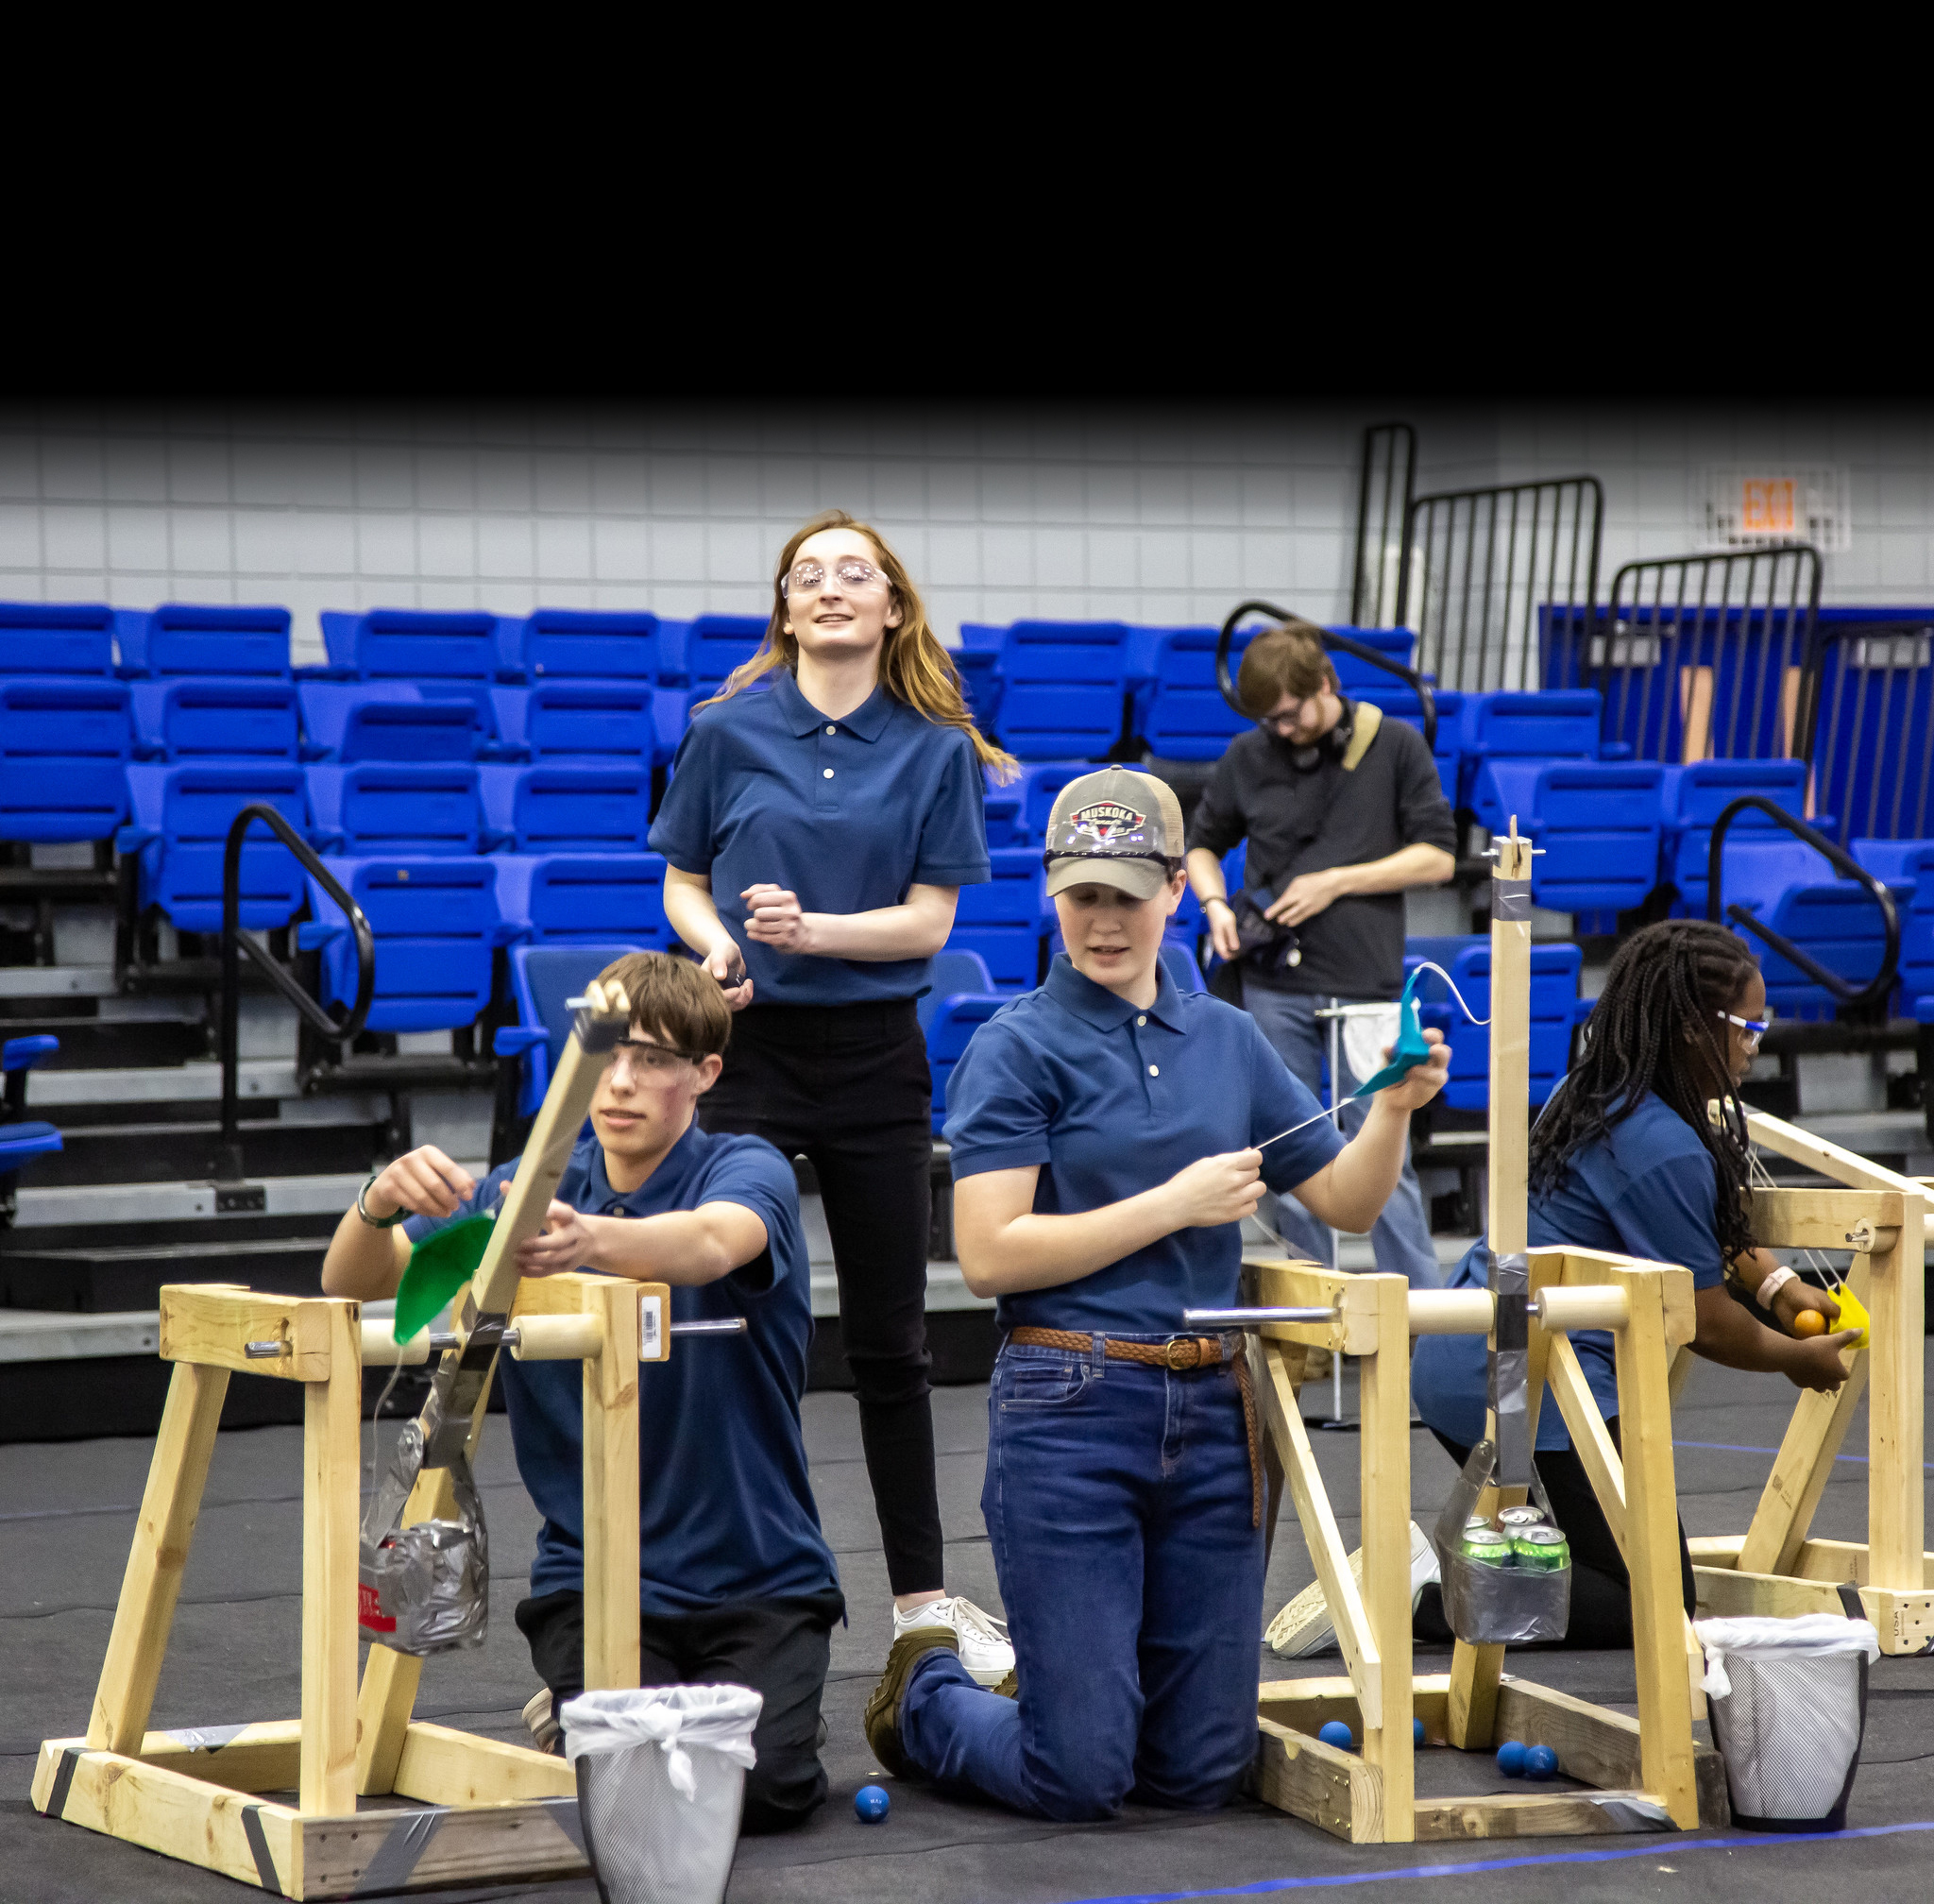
{"x": 1343, "y": 810}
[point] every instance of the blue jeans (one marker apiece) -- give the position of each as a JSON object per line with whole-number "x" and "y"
{"x": 1117, "y": 1500}
{"x": 1401, "y": 1238}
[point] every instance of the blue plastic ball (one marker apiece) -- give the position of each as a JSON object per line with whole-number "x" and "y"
{"x": 1511, "y": 1758}
{"x": 1337, "y": 1733}
{"x": 1540, "y": 1763}
{"x": 1417, "y": 1730}
{"x": 871, "y": 1803}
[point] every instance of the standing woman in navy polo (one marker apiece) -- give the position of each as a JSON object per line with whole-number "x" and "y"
{"x": 1109, "y": 1135}
{"x": 824, "y": 812}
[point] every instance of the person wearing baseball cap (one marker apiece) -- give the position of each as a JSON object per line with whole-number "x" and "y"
{"x": 1109, "y": 1132}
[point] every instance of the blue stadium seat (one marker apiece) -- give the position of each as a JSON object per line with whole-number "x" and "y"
{"x": 1555, "y": 971}
{"x": 1696, "y": 796}
{"x": 412, "y": 645}
{"x": 605, "y": 720}
{"x": 1795, "y": 891}
{"x": 542, "y": 978}
{"x": 387, "y": 807}
{"x": 1903, "y": 863}
{"x": 217, "y": 717}
{"x": 56, "y": 637}
{"x": 350, "y": 721}
{"x": 577, "y": 644}
{"x": 1556, "y": 725}
{"x": 1353, "y": 674}
{"x": 1062, "y": 688}
{"x": 714, "y": 646}
{"x": 1181, "y": 713}
{"x": 952, "y": 970}
{"x": 978, "y": 659}
{"x": 64, "y": 749}
{"x": 954, "y": 1022}
{"x": 673, "y": 637}
{"x": 179, "y": 828}
{"x": 568, "y": 806}
{"x": 1001, "y": 919}
{"x": 22, "y": 1139}
{"x": 1597, "y": 822}
{"x": 1181, "y": 966}
{"x": 1402, "y": 703}
{"x": 186, "y": 637}
{"x": 585, "y": 897}
{"x": 436, "y": 926}
{"x": 1000, "y": 809}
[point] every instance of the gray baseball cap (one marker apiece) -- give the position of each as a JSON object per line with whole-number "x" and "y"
{"x": 1114, "y": 827}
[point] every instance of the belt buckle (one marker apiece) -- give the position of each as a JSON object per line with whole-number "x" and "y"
{"x": 1177, "y": 1344}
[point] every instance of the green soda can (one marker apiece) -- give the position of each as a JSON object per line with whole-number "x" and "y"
{"x": 1486, "y": 1546}
{"x": 1540, "y": 1550}
{"x": 1476, "y": 1524}
{"x": 1515, "y": 1519}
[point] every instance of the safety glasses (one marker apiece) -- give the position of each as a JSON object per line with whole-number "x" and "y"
{"x": 809, "y": 578}
{"x": 648, "y": 1060}
{"x": 1752, "y": 1030}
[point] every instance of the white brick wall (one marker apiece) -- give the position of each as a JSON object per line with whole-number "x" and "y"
{"x": 1153, "y": 513}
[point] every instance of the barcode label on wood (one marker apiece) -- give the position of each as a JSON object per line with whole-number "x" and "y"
{"x": 650, "y": 1328}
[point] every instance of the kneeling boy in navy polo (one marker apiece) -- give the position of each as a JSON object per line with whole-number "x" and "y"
{"x": 735, "y": 1582}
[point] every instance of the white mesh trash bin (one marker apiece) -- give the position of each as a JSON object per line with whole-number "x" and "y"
{"x": 660, "y": 1775}
{"x": 1788, "y": 1702}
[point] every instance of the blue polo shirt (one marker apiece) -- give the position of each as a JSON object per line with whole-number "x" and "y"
{"x": 726, "y": 1510}
{"x": 848, "y": 813}
{"x": 1111, "y": 1100}
{"x": 1647, "y": 1188}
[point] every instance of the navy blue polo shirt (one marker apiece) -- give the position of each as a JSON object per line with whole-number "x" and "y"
{"x": 1111, "y": 1100}
{"x": 1648, "y": 1188}
{"x": 726, "y": 1510}
{"x": 848, "y": 813}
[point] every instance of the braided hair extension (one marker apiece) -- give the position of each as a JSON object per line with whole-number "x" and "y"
{"x": 1667, "y": 980}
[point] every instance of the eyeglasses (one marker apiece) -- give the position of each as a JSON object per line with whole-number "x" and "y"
{"x": 808, "y": 578}
{"x": 1753, "y": 1028}
{"x": 649, "y": 1059}
{"x": 1283, "y": 723}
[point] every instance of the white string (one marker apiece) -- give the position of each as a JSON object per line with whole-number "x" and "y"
{"x": 1427, "y": 965}
{"x": 1291, "y": 1132}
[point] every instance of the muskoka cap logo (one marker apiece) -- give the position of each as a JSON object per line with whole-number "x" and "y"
{"x": 1105, "y": 821}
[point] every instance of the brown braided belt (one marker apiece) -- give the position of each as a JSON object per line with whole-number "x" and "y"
{"x": 1180, "y": 1354}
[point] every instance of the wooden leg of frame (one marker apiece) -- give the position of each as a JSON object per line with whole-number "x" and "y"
{"x": 1385, "y": 1406}
{"x": 332, "y": 1414}
{"x": 1652, "y": 1547}
{"x": 388, "y": 1695}
{"x": 1681, "y": 1370}
{"x": 1272, "y": 1459}
{"x": 1895, "y": 1422}
{"x": 611, "y": 1492}
{"x": 175, "y": 1478}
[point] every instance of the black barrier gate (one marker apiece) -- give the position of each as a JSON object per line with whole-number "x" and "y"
{"x": 1384, "y": 495}
{"x": 1699, "y": 658}
{"x": 1870, "y": 728}
{"x": 1495, "y": 565}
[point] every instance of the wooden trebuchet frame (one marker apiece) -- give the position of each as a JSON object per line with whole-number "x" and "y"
{"x": 484, "y": 1810}
{"x": 1773, "y": 1567}
{"x": 1640, "y": 1768}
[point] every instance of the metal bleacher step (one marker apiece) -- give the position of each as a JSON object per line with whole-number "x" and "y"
{"x": 147, "y": 1153}
{"x": 92, "y": 1043}
{"x": 108, "y": 1277}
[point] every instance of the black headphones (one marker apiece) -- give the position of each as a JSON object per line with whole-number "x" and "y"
{"x": 1332, "y": 745}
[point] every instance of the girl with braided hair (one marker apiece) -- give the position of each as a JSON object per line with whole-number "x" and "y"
{"x": 1625, "y": 1158}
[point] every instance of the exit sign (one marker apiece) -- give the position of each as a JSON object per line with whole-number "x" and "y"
{"x": 1747, "y": 508}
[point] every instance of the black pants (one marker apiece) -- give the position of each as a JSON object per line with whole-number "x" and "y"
{"x": 848, "y": 1087}
{"x": 1600, "y": 1586}
{"x": 777, "y": 1647}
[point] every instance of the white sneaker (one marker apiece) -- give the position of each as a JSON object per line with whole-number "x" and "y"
{"x": 984, "y": 1648}
{"x": 1305, "y": 1627}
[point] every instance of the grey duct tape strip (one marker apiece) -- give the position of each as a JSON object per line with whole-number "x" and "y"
{"x": 63, "y": 1779}
{"x": 398, "y": 1853}
{"x": 203, "y": 1737}
{"x": 1511, "y": 899}
{"x": 597, "y": 1035}
{"x": 1510, "y": 1369}
{"x": 1633, "y": 1814}
{"x": 258, "y": 1844}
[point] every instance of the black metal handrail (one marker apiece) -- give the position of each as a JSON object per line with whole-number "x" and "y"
{"x": 235, "y": 942}
{"x": 1399, "y": 445}
{"x": 1876, "y": 988}
{"x": 1426, "y": 702}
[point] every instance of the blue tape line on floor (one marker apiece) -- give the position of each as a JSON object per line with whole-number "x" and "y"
{"x": 1661, "y": 1845}
{"x": 1737, "y": 1447}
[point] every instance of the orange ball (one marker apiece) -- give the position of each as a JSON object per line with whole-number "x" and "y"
{"x": 1809, "y": 1322}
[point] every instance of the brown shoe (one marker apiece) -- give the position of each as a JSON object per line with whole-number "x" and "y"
{"x": 1009, "y": 1687}
{"x": 882, "y": 1717}
{"x": 541, "y": 1722}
